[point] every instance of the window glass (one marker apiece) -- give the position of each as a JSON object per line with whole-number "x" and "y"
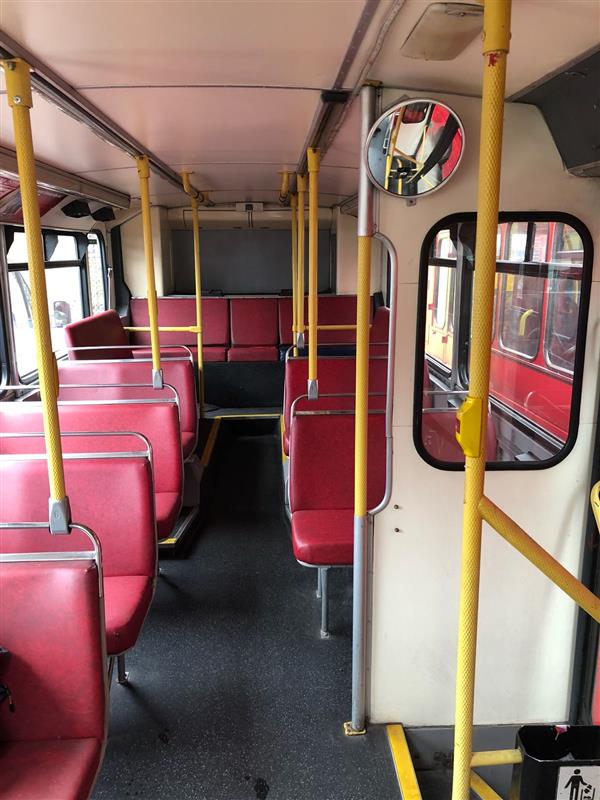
{"x": 95, "y": 274}
{"x": 541, "y": 298}
{"x": 64, "y": 305}
{"x": 564, "y": 300}
{"x": 521, "y": 313}
{"x": 61, "y": 247}
{"x": 17, "y": 252}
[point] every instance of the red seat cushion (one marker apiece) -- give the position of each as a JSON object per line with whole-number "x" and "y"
{"x": 126, "y": 603}
{"x": 323, "y": 537}
{"x": 214, "y": 353}
{"x": 253, "y": 354}
{"x": 168, "y": 505}
{"x": 56, "y": 769}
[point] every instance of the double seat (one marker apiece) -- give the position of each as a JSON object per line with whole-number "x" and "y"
{"x": 69, "y": 604}
{"x": 100, "y": 353}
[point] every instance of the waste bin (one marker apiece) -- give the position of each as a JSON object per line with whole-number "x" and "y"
{"x": 560, "y": 762}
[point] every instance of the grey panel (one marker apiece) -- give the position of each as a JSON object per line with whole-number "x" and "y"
{"x": 245, "y": 261}
{"x": 569, "y": 103}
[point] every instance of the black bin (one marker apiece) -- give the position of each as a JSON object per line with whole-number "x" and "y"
{"x": 559, "y": 763}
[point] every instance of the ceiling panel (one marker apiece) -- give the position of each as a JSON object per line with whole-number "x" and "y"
{"x": 545, "y": 35}
{"x": 141, "y": 42}
{"x": 62, "y": 141}
{"x": 189, "y": 125}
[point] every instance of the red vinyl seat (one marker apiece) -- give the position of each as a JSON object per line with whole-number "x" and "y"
{"x": 254, "y": 329}
{"x": 178, "y": 373}
{"x": 322, "y": 477}
{"x": 51, "y": 624}
{"x": 336, "y": 374}
{"x": 104, "y": 329}
{"x": 125, "y": 526}
{"x": 157, "y": 421}
{"x": 181, "y": 311}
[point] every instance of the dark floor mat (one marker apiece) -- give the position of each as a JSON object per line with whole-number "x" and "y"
{"x": 234, "y": 696}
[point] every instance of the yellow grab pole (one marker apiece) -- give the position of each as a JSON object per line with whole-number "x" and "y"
{"x": 540, "y": 558}
{"x": 18, "y": 89}
{"x": 143, "y": 169}
{"x": 472, "y": 416}
{"x": 301, "y": 184}
{"x": 197, "y": 282}
{"x": 314, "y": 159}
{"x": 285, "y": 187}
{"x": 294, "y": 214}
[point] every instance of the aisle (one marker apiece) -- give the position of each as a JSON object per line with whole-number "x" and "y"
{"x": 234, "y": 696}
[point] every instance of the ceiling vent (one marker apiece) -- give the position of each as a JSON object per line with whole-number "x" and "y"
{"x": 443, "y": 31}
{"x": 249, "y": 207}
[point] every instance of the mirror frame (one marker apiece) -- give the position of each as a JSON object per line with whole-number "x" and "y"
{"x": 390, "y": 110}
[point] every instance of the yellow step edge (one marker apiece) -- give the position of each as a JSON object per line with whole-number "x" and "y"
{"x": 405, "y": 771}
{"x": 483, "y": 790}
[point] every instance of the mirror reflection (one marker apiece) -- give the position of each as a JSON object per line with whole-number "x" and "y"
{"x": 414, "y": 148}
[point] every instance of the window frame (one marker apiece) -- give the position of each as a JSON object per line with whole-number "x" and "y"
{"x": 504, "y": 275}
{"x": 577, "y": 376}
{"x": 105, "y": 282}
{"x": 81, "y": 264}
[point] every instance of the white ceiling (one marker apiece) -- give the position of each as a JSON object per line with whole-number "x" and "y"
{"x": 229, "y": 88}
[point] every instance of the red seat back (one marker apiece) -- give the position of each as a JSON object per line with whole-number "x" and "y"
{"x": 322, "y": 458}
{"x": 125, "y": 526}
{"x": 51, "y": 622}
{"x": 158, "y": 422}
{"x": 96, "y": 331}
{"x": 178, "y": 373}
{"x": 254, "y": 321}
{"x": 181, "y": 312}
{"x": 336, "y": 374}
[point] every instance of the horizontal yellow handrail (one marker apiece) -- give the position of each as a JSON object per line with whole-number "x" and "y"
{"x": 166, "y": 329}
{"x": 336, "y": 327}
{"x": 534, "y": 552}
{"x": 493, "y": 758}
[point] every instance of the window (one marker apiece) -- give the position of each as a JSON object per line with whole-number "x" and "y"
{"x": 543, "y": 276}
{"x": 66, "y": 288}
{"x": 96, "y": 273}
{"x": 522, "y": 297}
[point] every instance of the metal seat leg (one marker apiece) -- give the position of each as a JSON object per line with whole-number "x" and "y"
{"x": 324, "y": 574}
{"x": 319, "y": 570}
{"x": 122, "y": 674}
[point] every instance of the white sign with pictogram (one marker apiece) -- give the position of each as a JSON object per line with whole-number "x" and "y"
{"x": 578, "y": 783}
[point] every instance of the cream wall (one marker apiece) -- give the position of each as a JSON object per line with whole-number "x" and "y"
{"x": 134, "y": 262}
{"x": 527, "y": 626}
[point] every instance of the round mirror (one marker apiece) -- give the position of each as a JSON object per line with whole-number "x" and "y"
{"x": 414, "y": 148}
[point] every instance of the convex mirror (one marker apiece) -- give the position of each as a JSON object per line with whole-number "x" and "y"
{"x": 414, "y": 148}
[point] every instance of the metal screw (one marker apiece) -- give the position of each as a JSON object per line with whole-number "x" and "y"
{"x": 396, "y": 530}
{"x": 10, "y": 65}
{"x": 16, "y": 99}
{"x": 396, "y": 507}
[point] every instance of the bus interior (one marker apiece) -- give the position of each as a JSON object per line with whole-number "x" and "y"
{"x": 299, "y": 445}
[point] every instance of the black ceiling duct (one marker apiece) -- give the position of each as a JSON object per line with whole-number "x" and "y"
{"x": 76, "y": 209}
{"x": 103, "y": 214}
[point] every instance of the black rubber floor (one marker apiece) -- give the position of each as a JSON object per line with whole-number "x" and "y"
{"x": 233, "y": 695}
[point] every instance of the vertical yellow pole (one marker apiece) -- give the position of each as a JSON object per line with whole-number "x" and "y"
{"x": 197, "y": 282}
{"x": 301, "y": 184}
{"x": 473, "y": 414}
{"x": 294, "y": 215}
{"x": 143, "y": 169}
{"x": 314, "y": 159}
{"x": 18, "y": 88}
